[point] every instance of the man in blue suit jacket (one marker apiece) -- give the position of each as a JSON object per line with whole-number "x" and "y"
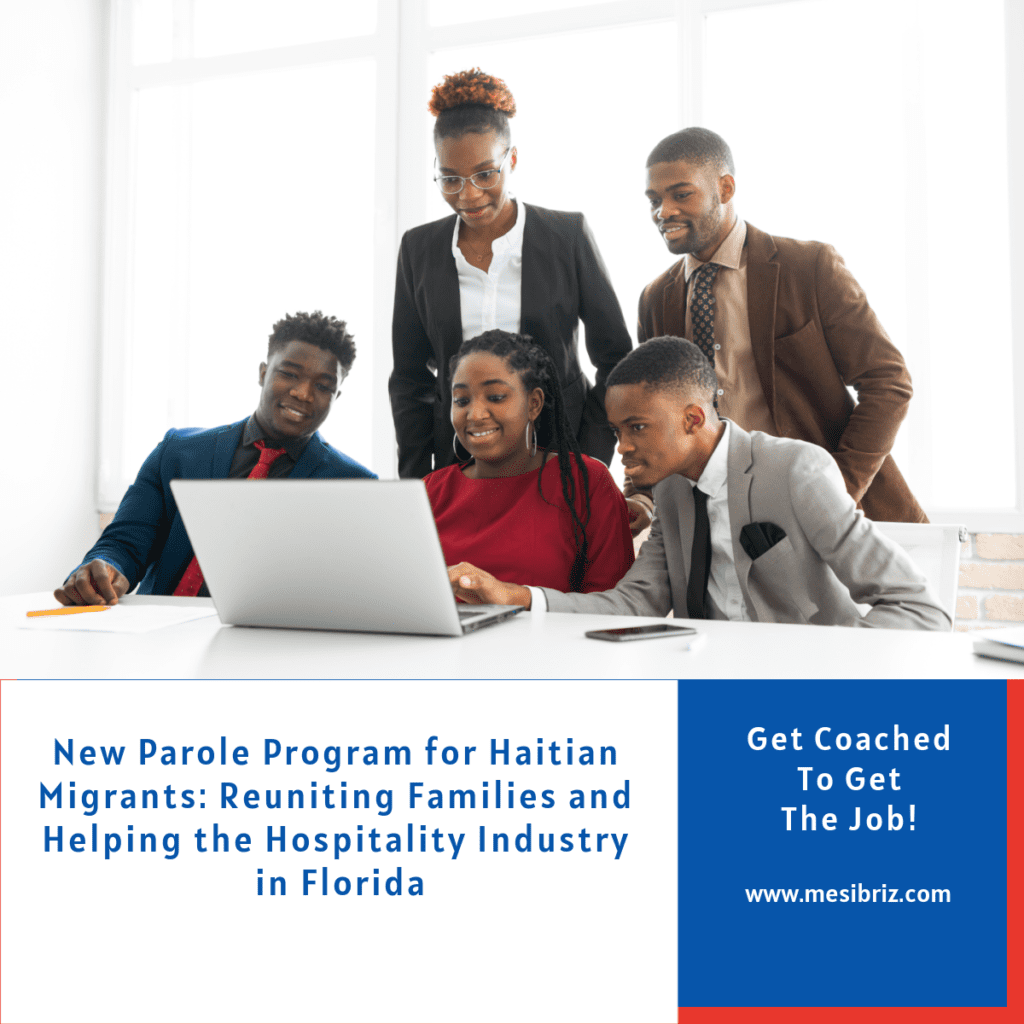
{"x": 308, "y": 357}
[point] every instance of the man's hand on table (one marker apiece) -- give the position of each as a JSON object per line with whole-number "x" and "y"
{"x": 97, "y": 582}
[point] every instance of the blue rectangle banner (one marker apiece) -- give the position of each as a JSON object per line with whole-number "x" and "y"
{"x": 842, "y": 843}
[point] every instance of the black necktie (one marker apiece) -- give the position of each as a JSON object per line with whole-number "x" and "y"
{"x": 700, "y": 558}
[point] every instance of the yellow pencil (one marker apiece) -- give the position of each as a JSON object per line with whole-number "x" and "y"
{"x": 72, "y": 610}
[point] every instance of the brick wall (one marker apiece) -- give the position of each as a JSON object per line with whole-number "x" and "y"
{"x": 991, "y": 590}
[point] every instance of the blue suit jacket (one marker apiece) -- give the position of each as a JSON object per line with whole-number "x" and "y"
{"x": 147, "y": 540}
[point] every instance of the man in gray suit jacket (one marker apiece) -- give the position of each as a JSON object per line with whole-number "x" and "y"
{"x": 778, "y": 537}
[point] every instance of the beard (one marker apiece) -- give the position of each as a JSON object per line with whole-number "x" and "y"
{"x": 700, "y": 235}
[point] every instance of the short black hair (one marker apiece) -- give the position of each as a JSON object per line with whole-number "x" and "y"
{"x": 668, "y": 364}
{"x": 472, "y": 118}
{"x": 326, "y": 332}
{"x": 699, "y": 146}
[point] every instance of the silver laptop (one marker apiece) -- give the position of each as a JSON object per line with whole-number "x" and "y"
{"x": 359, "y": 555}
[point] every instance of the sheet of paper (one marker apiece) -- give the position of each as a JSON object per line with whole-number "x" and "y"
{"x": 119, "y": 619}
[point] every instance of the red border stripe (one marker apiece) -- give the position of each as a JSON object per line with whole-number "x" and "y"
{"x": 844, "y": 1014}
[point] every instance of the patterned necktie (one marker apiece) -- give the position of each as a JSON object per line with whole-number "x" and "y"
{"x": 192, "y": 582}
{"x": 700, "y": 559}
{"x": 702, "y": 310}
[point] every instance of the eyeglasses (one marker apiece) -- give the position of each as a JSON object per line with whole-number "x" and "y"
{"x": 452, "y": 184}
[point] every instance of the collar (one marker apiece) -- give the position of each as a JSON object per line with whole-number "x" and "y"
{"x": 716, "y": 472}
{"x": 254, "y": 432}
{"x": 728, "y": 254}
{"x": 510, "y": 242}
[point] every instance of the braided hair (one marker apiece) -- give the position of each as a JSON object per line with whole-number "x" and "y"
{"x": 537, "y": 370}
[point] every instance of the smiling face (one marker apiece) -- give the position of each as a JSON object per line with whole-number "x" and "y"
{"x": 691, "y": 205}
{"x": 470, "y": 154}
{"x": 658, "y": 433}
{"x": 490, "y": 412}
{"x": 300, "y": 383}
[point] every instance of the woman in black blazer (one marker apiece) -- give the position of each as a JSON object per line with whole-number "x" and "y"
{"x": 496, "y": 263}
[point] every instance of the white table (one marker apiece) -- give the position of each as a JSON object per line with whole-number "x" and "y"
{"x": 529, "y": 646}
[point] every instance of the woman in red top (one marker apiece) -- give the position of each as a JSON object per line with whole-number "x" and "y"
{"x": 526, "y": 505}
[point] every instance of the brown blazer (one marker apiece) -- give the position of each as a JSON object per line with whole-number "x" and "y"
{"x": 813, "y": 333}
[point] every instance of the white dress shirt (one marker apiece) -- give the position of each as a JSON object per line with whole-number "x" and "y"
{"x": 492, "y": 298}
{"x": 723, "y": 582}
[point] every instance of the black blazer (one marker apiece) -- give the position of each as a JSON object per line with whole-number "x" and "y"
{"x": 564, "y": 281}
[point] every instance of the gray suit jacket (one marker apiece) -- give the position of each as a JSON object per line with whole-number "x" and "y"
{"x": 830, "y": 560}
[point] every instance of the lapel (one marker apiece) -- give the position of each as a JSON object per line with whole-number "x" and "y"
{"x": 441, "y": 289}
{"x": 762, "y": 293}
{"x": 673, "y": 304}
{"x": 226, "y": 442}
{"x": 740, "y": 476}
{"x": 312, "y": 455}
{"x": 536, "y": 280}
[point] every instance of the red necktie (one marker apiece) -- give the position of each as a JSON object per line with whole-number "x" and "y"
{"x": 192, "y": 581}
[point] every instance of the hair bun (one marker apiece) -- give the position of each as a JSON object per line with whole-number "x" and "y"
{"x": 473, "y": 86}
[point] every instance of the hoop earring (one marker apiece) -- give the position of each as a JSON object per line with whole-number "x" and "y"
{"x": 531, "y": 445}
{"x": 455, "y": 448}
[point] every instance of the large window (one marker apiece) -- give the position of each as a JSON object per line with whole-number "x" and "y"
{"x": 883, "y": 160}
{"x": 266, "y": 157}
{"x": 247, "y": 151}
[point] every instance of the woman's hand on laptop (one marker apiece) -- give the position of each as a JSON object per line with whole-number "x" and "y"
{"x": 98, "y": 582}
{"x": 475, "y": 586}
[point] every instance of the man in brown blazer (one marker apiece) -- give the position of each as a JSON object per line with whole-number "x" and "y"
{"x": 788, "y": 327}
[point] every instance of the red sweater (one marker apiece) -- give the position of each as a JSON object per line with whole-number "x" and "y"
{"x": 503, "y": 526}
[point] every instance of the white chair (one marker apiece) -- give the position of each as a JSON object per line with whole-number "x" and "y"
{"x": 935, "y": 549}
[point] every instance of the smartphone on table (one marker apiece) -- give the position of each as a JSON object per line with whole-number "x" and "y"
{"x": 655, "y": 629}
